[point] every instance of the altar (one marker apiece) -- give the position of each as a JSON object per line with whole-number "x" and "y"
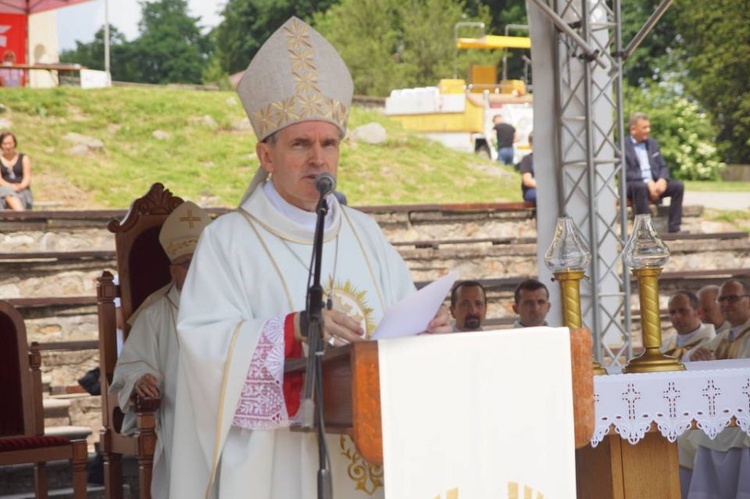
{"x": 638, "y": 417}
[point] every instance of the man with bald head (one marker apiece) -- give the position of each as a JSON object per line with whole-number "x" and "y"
{"x": 710, "y": 310}
{"x": 691, "y": 332}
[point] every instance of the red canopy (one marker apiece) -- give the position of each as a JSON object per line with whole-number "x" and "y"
{"x": 34, "y": 6}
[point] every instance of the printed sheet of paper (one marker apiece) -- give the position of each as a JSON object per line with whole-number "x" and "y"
{"x": 412, "y": 314}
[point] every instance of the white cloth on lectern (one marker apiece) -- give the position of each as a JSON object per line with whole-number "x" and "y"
{"x": 478, "y": 415}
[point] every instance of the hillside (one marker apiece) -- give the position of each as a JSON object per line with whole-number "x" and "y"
{"x": 200, "y": 146}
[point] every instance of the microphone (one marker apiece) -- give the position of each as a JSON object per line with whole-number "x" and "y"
{"x": 325, "y": 183}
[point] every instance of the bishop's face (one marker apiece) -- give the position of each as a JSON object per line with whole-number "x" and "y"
{"x": 300, "y": 152}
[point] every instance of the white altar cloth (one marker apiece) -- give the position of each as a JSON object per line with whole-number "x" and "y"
{"x": 710, "y": 393}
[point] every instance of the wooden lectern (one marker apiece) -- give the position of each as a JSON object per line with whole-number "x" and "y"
{"x": 351, "y": 393}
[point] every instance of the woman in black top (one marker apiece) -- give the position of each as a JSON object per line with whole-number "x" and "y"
{"x": 16, "y": 175}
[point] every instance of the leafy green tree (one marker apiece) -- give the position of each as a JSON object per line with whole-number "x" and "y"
{"x": 716, "y": 40}
{"x": 658, "y": 55}
{"x": 171, "y": 47}
{"x": 366, "y": 34}
{"x": 391, "y": 44}
{"x": 247, "y": 24}
{"x": 685, "y": 133}
{"x": 91, "y": 55}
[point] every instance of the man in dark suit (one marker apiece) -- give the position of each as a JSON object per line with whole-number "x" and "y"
{"x": 647, "y": 175}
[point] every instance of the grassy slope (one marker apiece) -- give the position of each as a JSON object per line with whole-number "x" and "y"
{"x": 213, "y": 165}
{"x": 199, "y": 161}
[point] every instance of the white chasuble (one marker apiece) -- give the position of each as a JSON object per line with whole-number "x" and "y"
{"x": 478, "y": 416}
{"x": 249, "y": 271}
{"x": 152, "y": 348}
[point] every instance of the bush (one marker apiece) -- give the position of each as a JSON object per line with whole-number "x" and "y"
{"x": 685, "y": 134}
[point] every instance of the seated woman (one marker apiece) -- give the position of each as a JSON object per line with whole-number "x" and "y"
{"x": 15, "y": 192}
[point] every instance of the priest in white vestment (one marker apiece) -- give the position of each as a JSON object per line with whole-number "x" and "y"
{"x": 243, "y": 306}
{"x": 147, "y": 366}
{"x": 683, "y": 308}
{"x": 722, "y": 466}
{"x": 684, "y": 314}
{"x": 709, "y": 308}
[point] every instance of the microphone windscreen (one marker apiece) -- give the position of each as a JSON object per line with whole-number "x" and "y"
{"x": 325, "y": 183}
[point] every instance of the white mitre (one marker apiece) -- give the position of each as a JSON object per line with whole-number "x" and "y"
{"x": 181, "y": 230}
{"x": 296, "y": 76}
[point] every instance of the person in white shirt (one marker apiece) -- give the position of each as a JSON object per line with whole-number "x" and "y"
{"x": 647, "y": 175}
{"x": 531, "y": 303}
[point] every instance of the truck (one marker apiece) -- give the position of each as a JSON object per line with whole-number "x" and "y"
{"x": 460, "y": 114}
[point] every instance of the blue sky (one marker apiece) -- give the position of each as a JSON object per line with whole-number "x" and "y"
{"x": 81, "y": 21}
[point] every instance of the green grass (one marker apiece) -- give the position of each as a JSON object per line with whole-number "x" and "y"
{"x": 215, "y": 163}
{"x": 717, "y": 186}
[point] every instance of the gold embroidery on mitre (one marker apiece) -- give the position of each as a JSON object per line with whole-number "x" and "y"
{"x": 353, "y": 303}
{"x": 307, "y": 101}
{"x": 177, "y": 246}
{"x": 367, "y": 477}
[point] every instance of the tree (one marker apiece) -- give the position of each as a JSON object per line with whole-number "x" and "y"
{"x": 657, "y": 57}
{"x": 247, "y": 24}
{"x": 716, "y": 41}
{"x": 171, "y": 48}
{"x": 391, "y": 44}
{"x": 91, "y": 55}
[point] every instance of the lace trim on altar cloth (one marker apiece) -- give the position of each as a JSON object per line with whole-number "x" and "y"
{"x": 261, "y": 405}
{"x": 711, "y": 394}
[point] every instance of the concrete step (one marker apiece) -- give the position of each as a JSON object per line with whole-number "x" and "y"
{"x": 56, "y": 408}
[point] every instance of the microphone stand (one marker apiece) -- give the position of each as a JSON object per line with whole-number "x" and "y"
{"x": 314, "y": 369}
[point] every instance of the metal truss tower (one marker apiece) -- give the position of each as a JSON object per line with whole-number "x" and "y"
{"x": 577, "y": 62}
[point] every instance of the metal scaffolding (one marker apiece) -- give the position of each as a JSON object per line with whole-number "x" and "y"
{"x": 578, "y": 57}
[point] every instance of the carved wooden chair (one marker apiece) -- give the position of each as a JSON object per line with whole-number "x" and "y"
{"x": 22, "y": 438}
{"x": 142, "y": 268}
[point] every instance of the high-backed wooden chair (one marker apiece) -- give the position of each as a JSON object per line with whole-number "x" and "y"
{"x": 22, "y": 438}
{"x": 143, "y": 268}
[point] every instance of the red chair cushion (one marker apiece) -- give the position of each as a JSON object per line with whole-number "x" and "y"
{"x": 23, "y": 443}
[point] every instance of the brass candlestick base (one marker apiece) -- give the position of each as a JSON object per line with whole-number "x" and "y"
{"x": 652, "y": 360}
{"x": 570, "y": 288}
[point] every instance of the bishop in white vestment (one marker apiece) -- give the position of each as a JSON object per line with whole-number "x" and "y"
{"x": 242, "y": 311}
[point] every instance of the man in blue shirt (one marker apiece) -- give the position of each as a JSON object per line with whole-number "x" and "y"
{"x": 647, "y": 175}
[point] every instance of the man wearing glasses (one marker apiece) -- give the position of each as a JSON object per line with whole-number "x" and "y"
{"x": 721, "y": 466}
{"x": 733, "y": 343}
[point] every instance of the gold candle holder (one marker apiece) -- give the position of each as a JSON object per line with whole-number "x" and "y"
{"x": 570, "y": 289}
{"x": 652, "y": 359}
{"x": 646, "y": 254}
{"x": 566, "y": 257}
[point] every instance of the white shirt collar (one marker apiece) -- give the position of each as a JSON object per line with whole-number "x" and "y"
{"x": 297, "y": 215}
